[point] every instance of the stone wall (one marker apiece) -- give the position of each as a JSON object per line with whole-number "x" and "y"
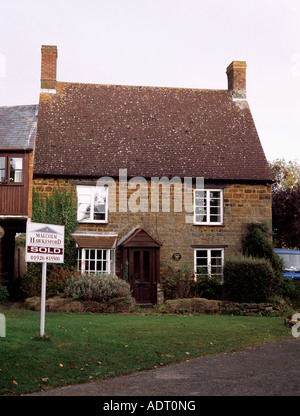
{"x": 200, "y": 305}
{"x": 243, "y": 203}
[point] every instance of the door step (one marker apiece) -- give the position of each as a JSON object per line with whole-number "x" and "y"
{"x": 144, "y": 305}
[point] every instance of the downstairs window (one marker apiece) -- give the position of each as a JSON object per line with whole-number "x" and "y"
{"x": 209, "y": 261}
{"x": 95, "y": 260}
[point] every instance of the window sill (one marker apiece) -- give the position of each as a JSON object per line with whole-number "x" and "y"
{"x": 92, "y": 222}
{"x": 210, "y": 224}
{"x": 11, "y": 183}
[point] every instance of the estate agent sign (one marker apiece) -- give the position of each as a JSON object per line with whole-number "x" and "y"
{"x": 44, "y": 244}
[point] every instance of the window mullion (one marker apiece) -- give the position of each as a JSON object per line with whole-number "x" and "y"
{"x": 7, "y": 162}
{"x": 83, "y": 261}
{"x": 92, "y": 203}
{"x": 209, "y": 262}
{"x": 106, "y": 204}
{"x": 221, "y": 208}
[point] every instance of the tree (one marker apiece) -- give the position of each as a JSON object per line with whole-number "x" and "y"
{"x": 286, "y": 203}
{"x": 286, "y": 217}
{"x": 258, "y": 244}
{"x": 287, "y": 174}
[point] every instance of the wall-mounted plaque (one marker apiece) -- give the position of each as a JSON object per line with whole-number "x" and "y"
{"x": 176, "y": 256}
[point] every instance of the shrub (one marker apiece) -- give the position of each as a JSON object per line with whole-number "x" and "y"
{"x": 30, "y": 283}
{"x": 181, "y": 283}
{"x": 257, "y": 243}
{"x": 57, "y": 280}
{"x": 205, "y": 286}
{"x": 176, "y": 283}
{"x": 289, "y": 290}
{"x": 3, "y": 294}
{"x": 97, "y": 287}
{"x": 247, "y": 279}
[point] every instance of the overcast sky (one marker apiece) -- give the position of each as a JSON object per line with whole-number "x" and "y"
{"x": 171, "y": 43}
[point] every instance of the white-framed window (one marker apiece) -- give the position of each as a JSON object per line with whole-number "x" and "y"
{"x": 92, "y": 203}
{"x": 208, "y": 206}
{"x": 209, "y": 261}
{"x": 96, "y": 260}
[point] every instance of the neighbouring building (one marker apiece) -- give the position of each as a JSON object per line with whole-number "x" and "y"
{"x": 17, "y": 136}
{"x": 114, "y": 144}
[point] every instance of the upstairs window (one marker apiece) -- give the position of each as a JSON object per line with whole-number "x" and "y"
{"x": 2, "y": 169}
{"x": 15, "y": 169}
{"x": 92, "y": 203}
{"x": 208, "y": 206}
{"x": 11, "y": 170}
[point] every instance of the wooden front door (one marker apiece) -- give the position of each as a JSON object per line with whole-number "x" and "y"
{"x": 141, "y": 269}
{"x": 141, "y": 264}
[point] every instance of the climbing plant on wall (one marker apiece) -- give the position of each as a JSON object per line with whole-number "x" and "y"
{"x": 60, "y": 208}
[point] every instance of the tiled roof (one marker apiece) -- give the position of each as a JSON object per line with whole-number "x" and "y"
{"x": 95, "y": 130}
{"x": 18, "y": 126}
{"x": 141, "y": 236}
{"x": 94, "y": 239}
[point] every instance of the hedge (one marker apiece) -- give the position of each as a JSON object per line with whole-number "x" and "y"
{"x": 248, "y": 279}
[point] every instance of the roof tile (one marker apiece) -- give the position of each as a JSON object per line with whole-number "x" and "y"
{"x": 95, "y": 130}
{"x": 18, "y": 126}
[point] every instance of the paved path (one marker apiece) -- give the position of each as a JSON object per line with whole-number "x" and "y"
{"x": 271, "y": 369}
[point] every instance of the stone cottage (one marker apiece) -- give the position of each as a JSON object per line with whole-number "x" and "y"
{"x": 162, "y": 175}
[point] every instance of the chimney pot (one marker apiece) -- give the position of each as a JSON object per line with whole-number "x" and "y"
{"x": 48, "y": 67}
{"x": 236, "y": 75}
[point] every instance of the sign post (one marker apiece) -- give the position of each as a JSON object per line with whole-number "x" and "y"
{"x": 44, "y": 244}
{"x": 43, "y": 299}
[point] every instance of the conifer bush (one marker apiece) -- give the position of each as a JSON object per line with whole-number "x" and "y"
{"x": 258, "y": 243}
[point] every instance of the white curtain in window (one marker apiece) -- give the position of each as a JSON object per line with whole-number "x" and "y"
{"x": 84, "y": 202}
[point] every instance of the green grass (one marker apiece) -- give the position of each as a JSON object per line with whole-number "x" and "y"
{"x": 88, "y": 347}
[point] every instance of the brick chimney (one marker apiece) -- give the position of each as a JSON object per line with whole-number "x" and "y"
{"x": 48, "y": 67}
{"x": 236, "y": 74}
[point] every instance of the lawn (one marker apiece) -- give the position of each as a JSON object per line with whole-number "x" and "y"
{"x": 89, "y": 347}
